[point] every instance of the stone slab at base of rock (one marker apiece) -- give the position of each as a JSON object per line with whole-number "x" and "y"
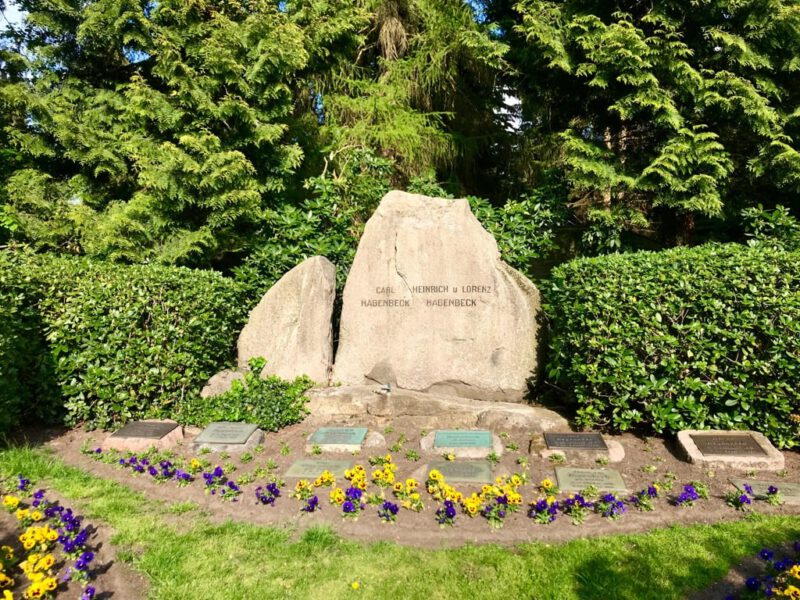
{"x": 409, "y": 409}
{"x": 139, "y": 436}
{"x": 613, "y": 452}
{"x": 343, "y": 439}
{"x": 469, "y": 443}
{"x": 229, "y": 437}
{"x": 732, "y": 449}
{"x": 576, "y": 480}
{"x": 790, "y": 492}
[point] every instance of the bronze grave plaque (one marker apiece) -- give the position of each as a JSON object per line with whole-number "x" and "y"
{"x": 575, "y": 441}
{"x": 727, "y": 444}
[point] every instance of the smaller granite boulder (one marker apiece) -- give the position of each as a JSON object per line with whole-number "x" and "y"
{"x": 220, "y": 383}
{"x": 291, "y": 327}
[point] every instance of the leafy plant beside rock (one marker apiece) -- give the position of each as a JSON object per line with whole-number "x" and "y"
{"x": 272, "y": 403}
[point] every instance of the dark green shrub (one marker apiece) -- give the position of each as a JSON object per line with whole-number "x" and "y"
{"x": 132, "y": 341}
{"x": 271, "y": 403}
{"x": 706, "y": 337}
{"x": 24, "y": 377}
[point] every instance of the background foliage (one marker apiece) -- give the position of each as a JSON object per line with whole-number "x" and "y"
{"x": 246, "y": 135}
{"x": 707, "y": 337}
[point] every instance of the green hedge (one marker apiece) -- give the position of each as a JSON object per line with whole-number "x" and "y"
{"x": 705, "y": 337}
{"x": 128, "y": 342}
{"x": 24, "y": 376}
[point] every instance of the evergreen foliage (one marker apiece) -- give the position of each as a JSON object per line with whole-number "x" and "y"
{"x": 668, "y": 111}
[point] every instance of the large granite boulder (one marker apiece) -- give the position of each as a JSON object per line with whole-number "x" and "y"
{"x": 429, "y": 305}
{"x": 291, "y": 326}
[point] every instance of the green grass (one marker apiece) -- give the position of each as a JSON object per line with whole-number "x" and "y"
{"x": 238, "y": 560}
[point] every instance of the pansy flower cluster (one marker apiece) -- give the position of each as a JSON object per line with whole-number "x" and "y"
{"x": 781, "y": 577}
{"x": 268, "y": 494}
{"x": 408, "y": 494}
{"x": 498, "y": 500}
{"x": 325, "y": 479}
{"x": 217, "y": 483}
{"x": 544, "y": 511}
{"x": 305, "y": 491}
{"x": 610, "y": 506}
{"x": 741, "y": 500}
{"x": 643, "y": 500}
{"x": 576, "y": 507}
{"x": 47, "y": 528}
{"x": 385, "y": 477}
{"x": 440, "y": 489}
{"x": 349, "y": 500}
{"x": 159, "y": 470}
{"x": 357, "y": 476}
{"x": 388, "y": 511}
{"x": 446, "y": 514}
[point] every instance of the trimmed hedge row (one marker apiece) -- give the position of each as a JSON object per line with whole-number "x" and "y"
{"x": 122, "y": 342}
{"x": 23, "y": 373}
{"x": 705, "y": 337}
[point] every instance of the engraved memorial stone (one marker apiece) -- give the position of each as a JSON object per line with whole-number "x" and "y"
{"x": 448, "y": 438}
{"x": 138, "y": 436}
{"x": 731, "y": 445}
{"x": 229, "y": 437}
{"x": 151, "y": 430}
{"x": 463, "y": 471}
{"x": 575, "y": 441}
{"x": 463, "y": 443}
{"x": 575, "y": 480}
{"x": 308, "y": 468}
{"x": 735, "y": 449}
{"x": 430, "y": 306}
{"x": 337, "y": 439}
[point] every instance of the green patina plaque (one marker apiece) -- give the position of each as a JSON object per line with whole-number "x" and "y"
{"x": 452, "y": 438}
{"x": 790, "y": 492}
{"x": 308, "y": 468}
{"x": 575, "y": 480}
{"x": 226, "y": 433}
{"x": 463, "y": 471}
{"x": 351, "y": 436}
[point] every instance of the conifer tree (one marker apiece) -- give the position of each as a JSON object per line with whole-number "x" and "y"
{"x": 153, "y": 131}
{"x": 668, "y": 110}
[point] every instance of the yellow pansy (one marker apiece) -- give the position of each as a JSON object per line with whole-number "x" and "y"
{"x": 11, "y": 502}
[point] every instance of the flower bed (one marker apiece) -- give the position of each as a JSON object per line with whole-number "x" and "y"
{"x": 52, "y": 547}
{"x": 382, "y": 494}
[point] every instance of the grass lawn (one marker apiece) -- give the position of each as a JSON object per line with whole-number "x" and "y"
{"x": 185, "y": 556}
